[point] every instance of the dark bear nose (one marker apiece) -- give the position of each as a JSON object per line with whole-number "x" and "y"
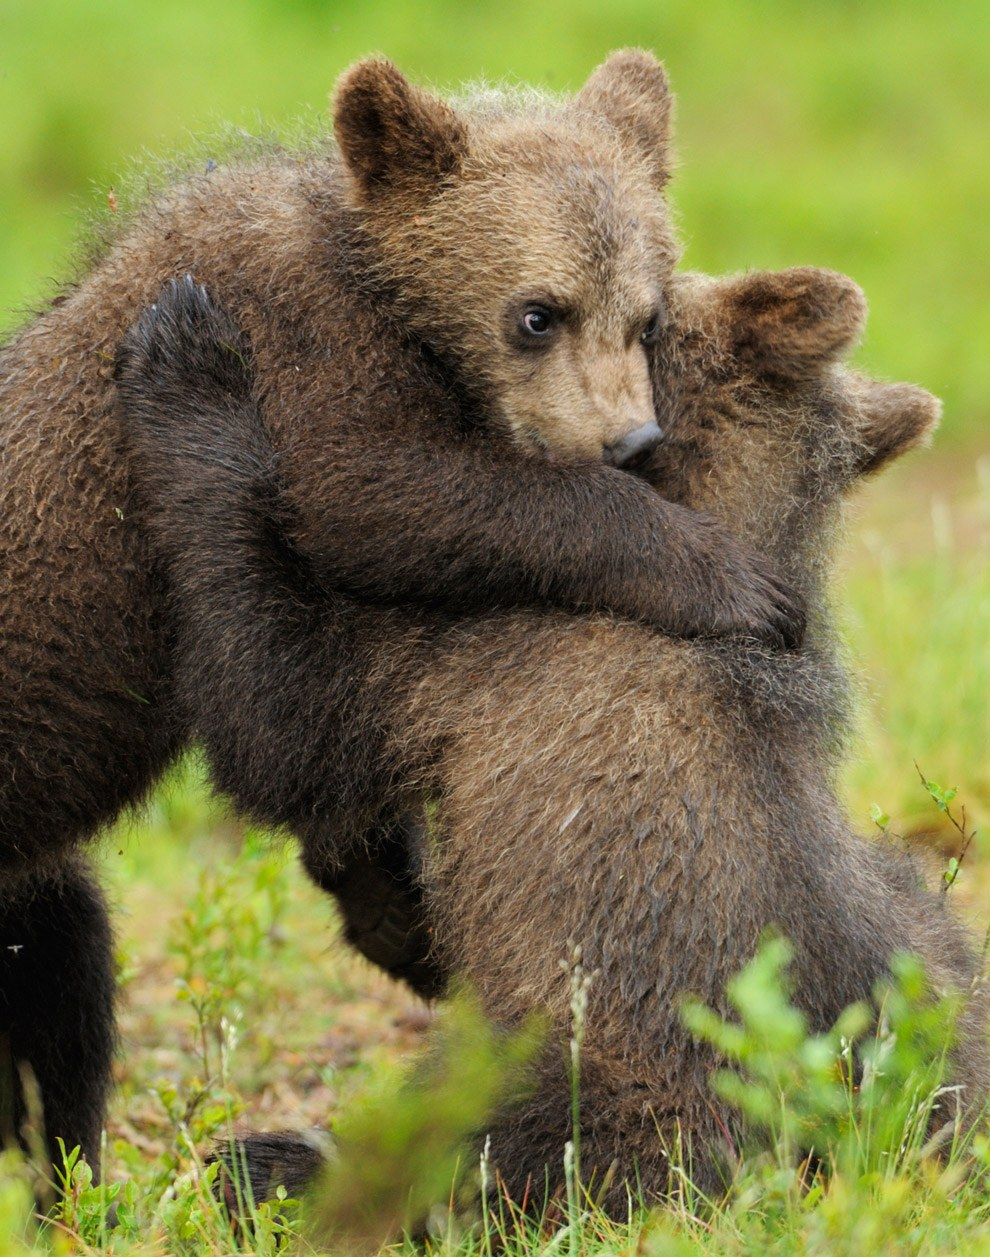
{"x": 633, "y": 445}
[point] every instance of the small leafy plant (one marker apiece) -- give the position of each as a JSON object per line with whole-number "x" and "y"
{"x": 866, "y": 1097}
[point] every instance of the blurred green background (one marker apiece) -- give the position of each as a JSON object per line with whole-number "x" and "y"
{"x": 848, "y": 133}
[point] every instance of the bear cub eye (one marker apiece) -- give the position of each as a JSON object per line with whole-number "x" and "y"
{"x": 533, "y": 323}
{"x": 651, "y": 332}
{"x": 536, "y": 321}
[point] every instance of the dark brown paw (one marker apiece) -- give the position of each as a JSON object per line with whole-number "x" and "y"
{"x": 768, "y": 610}
{"x": 252, "y": 1169}
{"x": 182, "y": 343}
{"x": 381, "y": 901}
{"x": 737, "y": 592}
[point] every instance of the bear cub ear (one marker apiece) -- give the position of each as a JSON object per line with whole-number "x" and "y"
{"x": 632, "y": 92}
{"x": 792, "y": 324}
{"x": 394, "y": 137}
{"x": 891, "y": 419}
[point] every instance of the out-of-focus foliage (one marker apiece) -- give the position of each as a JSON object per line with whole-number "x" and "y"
{"x": 918, "y": 588}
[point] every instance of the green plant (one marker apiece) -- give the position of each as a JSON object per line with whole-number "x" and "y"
{"x": 866, "y": 1098}
{"x": 401, "y": 1142}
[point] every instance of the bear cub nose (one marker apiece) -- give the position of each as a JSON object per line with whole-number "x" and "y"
{"x": 635, "y": 444}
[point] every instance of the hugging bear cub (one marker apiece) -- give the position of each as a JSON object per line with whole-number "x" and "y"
{"x": 451, "y": 317}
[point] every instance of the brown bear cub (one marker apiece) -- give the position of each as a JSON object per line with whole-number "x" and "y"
{"x": 450, "y": 316}
{"x": 664, "y": 801}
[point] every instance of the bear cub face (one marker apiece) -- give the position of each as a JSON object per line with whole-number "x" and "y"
{"x": 528, "y": 242}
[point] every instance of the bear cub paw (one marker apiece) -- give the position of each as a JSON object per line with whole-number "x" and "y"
{"x": 255, "y": 1166}
{"x": 183, "y": 346}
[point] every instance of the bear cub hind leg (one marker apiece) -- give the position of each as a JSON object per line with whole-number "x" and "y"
{"x": 56, "y": 1007}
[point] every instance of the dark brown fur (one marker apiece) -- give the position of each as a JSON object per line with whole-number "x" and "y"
{"x": 410, "y": 434}
{"x": 659, "y": 802}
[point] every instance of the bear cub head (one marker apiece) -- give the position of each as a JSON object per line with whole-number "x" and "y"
{"x": 527, "y": 241}
{"x": 766, "y": 426}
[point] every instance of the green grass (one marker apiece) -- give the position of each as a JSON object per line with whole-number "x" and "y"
{"x": 876, "y": 1180}
{"x": 846, "y": 133}
{"x": 917, "y": 585}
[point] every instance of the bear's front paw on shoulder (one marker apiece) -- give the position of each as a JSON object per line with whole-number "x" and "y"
{"x": 722, "y": 588}
{"x": 182, "y": 345}
{"x": 757, "y": 602}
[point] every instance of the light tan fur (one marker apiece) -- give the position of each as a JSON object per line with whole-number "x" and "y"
{"x": 663, "y": 803}
{"x": 589, "y": 237}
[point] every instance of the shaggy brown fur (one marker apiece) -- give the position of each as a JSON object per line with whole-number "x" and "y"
{"x": 429, "y": 311}
{"x": 660, "y": 802}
